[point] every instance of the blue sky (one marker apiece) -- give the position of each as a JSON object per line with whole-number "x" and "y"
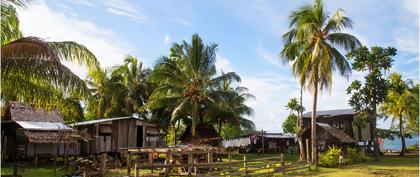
{"x": 248, "y": 33}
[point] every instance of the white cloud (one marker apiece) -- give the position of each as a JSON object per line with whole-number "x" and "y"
{"x": 83, "y": 2}
{"x": 123, "y": 8}
{"x": 167, "y": 39}
{"x": 267, "y": 56}
{"x": 273, "y": 90}
{"x": 223, "y": 64}
{"x": 411, "y": 6}
{"x": 407, "y": 39}
{"x": 41, "y": 21}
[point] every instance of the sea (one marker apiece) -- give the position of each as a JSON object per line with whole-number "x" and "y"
{"x": 395, "y": 144}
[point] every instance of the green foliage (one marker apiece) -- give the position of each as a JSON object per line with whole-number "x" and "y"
{"x": 330, "y": 157}
{"x": 290, "y": 123}
{"x": 353, "y": 156}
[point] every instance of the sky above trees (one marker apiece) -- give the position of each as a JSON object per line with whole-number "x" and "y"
{"x": 248, "y": 34}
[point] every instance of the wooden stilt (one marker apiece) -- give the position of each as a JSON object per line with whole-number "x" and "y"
{"x": 35, "y": 156}
{"x": 210, "y": 159}
{"x": 55, "y": 159}
{"x": 103, "y": 164}
{"x": 307, "y": 151}
{"x": 128, "y": 164}
{"x": 230, "y": 159}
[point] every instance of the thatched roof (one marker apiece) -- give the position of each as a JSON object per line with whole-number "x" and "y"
{"x": 204, "y": 133}
{"x": 337, "y": 133}
{"x": 330, "y": 113}
{"x": 55, "y": 137}
{"x": 17, "y": 111}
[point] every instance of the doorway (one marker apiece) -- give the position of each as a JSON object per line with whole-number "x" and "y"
{"x": 139, "y": 136}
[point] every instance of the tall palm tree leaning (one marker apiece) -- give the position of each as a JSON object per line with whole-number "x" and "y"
{"x": 399, "y": 103}
{"x": 184, "y": 79}
{"x": 31, "y": 68}
{"x": 311, "y": 47}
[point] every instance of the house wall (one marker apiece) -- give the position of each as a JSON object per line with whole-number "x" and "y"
{"x": 113, "y": 135}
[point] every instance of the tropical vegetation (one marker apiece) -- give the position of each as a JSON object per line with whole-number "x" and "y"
{"x": 311, "y": 47}
{"x": 399, "y": 104}
{"x": 366, "y": 96}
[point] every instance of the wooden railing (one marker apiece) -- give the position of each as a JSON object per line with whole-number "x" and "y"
{"x": 238, "y": 168}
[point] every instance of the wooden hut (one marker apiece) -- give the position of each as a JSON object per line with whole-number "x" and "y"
{"x": 205, "y": 134}
{"x": 253, "y": 142}
{"x": 28, "y": 131}
{"x": 112, "y": 134}
{"x": 341, "y": 119}
{"x": 328, "y": 136}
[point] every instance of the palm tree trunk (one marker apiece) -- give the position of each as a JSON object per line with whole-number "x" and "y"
{"x": 300, "y": 124}
{"x": 373, "y": 132}
{"x": 402, "y": 137}
{"x": 313, "y": 127}
{"x": 194, "y": 118}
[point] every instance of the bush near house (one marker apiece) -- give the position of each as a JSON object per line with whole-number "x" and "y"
{"x": 330, "y": 157}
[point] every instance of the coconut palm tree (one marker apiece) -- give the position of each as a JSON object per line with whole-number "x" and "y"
{"x": 398, "y": 102}
{"x": 183, "y": 79}
{"x": 230, "y": 108}
{"x": 134, "y": 88}
{"x": 310, "y": 46}
{"x": 31, "y": 66}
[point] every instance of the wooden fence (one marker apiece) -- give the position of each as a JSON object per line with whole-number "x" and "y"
{"x": 245, "y": 167}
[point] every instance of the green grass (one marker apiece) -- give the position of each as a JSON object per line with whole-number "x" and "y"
{"x": 407, "y": 166}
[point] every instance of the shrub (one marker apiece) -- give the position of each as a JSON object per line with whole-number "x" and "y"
{"x": 354, "y": 156}
{"x": 330, "y": 157}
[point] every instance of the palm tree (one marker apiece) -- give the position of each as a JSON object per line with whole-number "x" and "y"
{"x": 398, "y": 102}
{"x": 230, "y": 108}
{"x": 294, "y": 106}
{"x": 183, "y": 79}
{"x": 31, "y": 66}
{"x": 101, "y": 87}
{"x": 134, "y": 89}
{"x": 311, "y": 47}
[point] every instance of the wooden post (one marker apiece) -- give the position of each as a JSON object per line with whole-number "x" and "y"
{"x": 55, "y": 158}
{"x": 245, "y": 166}
{"x": 262, "y": 139}
{"x": 151, "y": 160}
{"x": 65, "y": 159}
{"x": 136, "y": 170}
{"x": 35, "y": 156}
{"x": 190, "y": 161}
{"x": 128, "y": 164}
{"x": 307, "y": 151}
{"x": 230, "y": 159}
{"x": 210, "y": 159}
{"x": 195, "y": 167}
{"x": 103, "y": 164}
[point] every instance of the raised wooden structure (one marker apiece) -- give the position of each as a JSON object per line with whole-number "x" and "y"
{"x": 205, "y": 134}
{"x": 29, "y": 132}
{"x": 112, "y": 134}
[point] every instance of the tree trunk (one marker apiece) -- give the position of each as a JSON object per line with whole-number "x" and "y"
{"x": 313, "y": 127}
{"x": 194, "y": 118}
{"x": 300, "y": 124}
{"x": 402, "y": 136}
{"x": 375, "y": 136}
{"x": 301, "y": 150}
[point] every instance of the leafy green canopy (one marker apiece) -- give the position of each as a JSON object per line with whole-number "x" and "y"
{"x": 185, "y": 80}
{"x": 31, "y": 68}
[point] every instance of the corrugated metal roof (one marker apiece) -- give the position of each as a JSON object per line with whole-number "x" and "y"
{"x": 106, "y": 120}
{"x": 330, "y": 113}
{"x": 31, "y": 125}
{"x": 279, "y": 136}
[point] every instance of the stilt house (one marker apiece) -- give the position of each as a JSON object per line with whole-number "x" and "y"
{"x": 112, "y": 134}
{"x": 27, "y": 131}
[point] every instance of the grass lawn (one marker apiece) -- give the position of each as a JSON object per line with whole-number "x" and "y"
{"x": 407, "y": 166}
